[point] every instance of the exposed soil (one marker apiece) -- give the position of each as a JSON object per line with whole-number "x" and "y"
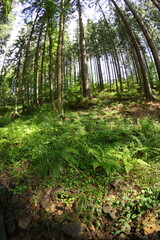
{"x": 37, "y": 215}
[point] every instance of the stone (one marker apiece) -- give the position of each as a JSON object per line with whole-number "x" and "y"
{"x": 150, "y": 225}
{"x": 58, "y": 190}
{"x": 48, "y": 205}
{"x": 60, "y": 219}
{"x": 123, "y": 236}
{"x": 24, "y": 222}
{"x": 110, "y": 210}
{"x": 73, "y": 229}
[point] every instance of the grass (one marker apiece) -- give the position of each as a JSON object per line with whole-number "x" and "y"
{"x": 86, "y": 151}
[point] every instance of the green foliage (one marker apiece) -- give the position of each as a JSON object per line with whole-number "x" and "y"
{"x": 133, "y": 206}
{"x": 83, "y": 140}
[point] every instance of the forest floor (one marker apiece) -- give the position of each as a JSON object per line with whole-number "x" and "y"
{"x": 108, "y": 186}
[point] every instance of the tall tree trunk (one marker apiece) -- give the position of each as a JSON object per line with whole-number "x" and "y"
{"x": 41, "y": 84}
{"x": 60, "y": 60}
{"x": 17, "y": 80}
{"x": 109, "y": 72}
{"x": 114, "y": 50}
{"x": 51, "y": 75}
{"x": 36, "y": 66}
{"x": 147, "y": 88}
{"x": 25, "y": 64}
{"x": 84, "y": 71}
{"x": 147, "y": 36}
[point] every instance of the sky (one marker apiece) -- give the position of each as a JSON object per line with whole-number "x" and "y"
{"x": 17, "y": 24}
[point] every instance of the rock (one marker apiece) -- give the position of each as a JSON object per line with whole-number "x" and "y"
{"x": 24, "y": 222}
{"x": 123, "y": 236}
{"x": 60, "y": 218}
{"x": 58, "y": 190}
{"x": 73, "y": 229}
{"x": 111, "y": 211}
{"x": 48, "y": 205}
{"x": 150, "y": 225}
{"x": 114, "y": 183}
{"x": 107, "y": 209}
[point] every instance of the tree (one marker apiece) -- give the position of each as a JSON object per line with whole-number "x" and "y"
{"x": 60, "y": 59}
{"x": 84, "y": 71}
{"x": 147, "y": 88}
{"x": 147, "y": 36}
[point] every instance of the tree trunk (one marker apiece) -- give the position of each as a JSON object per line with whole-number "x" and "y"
{"x": 84, "y": 71}
{"x": 147, "y": 88}
{"x": 36, "y": 65}
{"x": 25, "y": 64}
{"x": 60, "y": 60}
{"x": 147, "y": 36}
{"x": 51, "y": 69}
{"x": 114, "y": 50}
{"x": 41, "y": 84}
{"x": 156, "y": 4}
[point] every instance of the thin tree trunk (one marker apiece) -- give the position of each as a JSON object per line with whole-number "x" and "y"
{"x": 25, "y": 65}
{"x": 41, "y": 84}
{"x": 147, "y": 88}
{"x": 36, "y": 66}
{"x": 51, "y": 71}
{"x": 147, "y": 36}
{"x": 114, "y": 50}
{"x": 84, "y": 72}
{"x": 109, "y": 73}
{"x": 60, "y": 60}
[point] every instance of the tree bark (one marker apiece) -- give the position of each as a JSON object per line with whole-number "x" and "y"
{"x": 51, "y": 68}
{"x": 147, "y": 36}
{"x": 114, "y": 50}
{"x": 147, "y": 88}
{"x": 60, "y": 60}
{"x": 84, "y": 71}
{"x": 156, "y": 4}
{"x": 36, "y": 66}
{"x": 25, "y": 64}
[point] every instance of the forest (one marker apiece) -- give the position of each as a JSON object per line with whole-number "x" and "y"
{"x": 80, "y": 120}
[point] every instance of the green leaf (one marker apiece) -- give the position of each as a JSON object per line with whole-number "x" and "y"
{"x": 106, "y": 167}
{"x": 143, "y": 163}
{"x": 128, "y": 166}
{"x": 133, "y": 216}
{"x": 126, "y": 225}
{"x": 72, "y": 150}
{"x": 95, "y": 164}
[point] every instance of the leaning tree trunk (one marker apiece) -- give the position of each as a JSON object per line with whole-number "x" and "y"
{"x": 84, "y": 71}
{"x": 114, "y": 50}
{"x": 147, "y": 36}
{"x": 147, "y": 88}
{"x": 156, "y": 4}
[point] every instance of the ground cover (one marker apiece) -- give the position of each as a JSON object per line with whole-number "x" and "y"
{"x": 92, "y": 175}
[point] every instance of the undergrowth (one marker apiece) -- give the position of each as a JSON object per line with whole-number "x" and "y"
{"x": 89, "y": 148}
